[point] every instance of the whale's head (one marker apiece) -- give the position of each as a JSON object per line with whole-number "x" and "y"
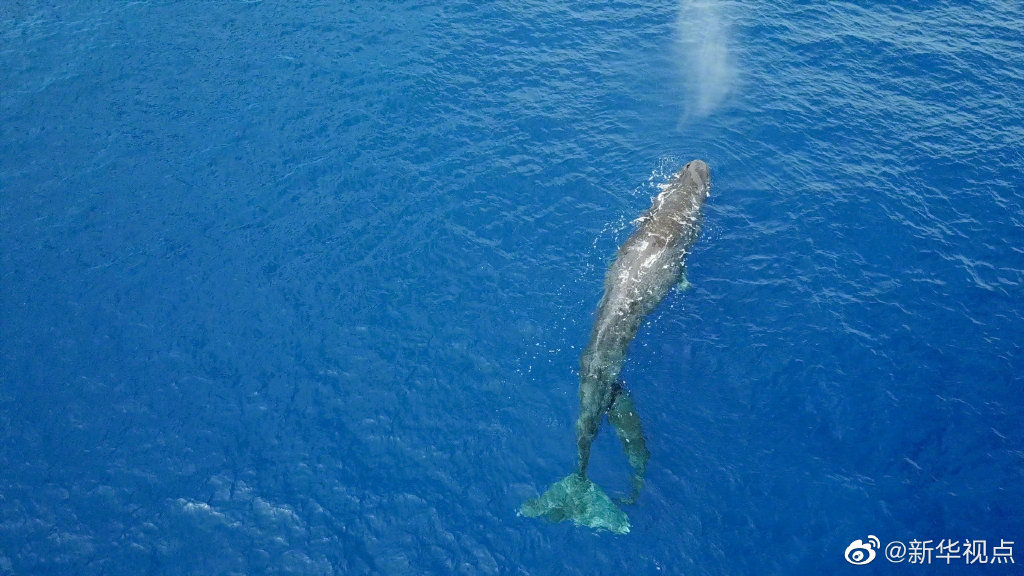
{"x": 699, "y": 172}
{"x": 686, "y": 192}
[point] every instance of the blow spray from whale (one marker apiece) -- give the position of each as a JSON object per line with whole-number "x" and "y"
{"x": 704, "y": 60}
{"x": 647, "y": 266}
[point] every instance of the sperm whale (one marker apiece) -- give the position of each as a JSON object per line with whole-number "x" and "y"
{"x": 645, "y": 269}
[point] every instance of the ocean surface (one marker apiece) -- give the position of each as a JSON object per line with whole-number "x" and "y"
{"x": 301, "y": 287}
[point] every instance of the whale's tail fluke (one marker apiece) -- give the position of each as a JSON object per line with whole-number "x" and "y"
{"x": 578, "y": 499}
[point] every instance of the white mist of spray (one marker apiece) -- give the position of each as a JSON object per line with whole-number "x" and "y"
{"x": 702, "y": 39}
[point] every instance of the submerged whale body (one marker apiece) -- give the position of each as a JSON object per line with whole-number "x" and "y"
{"x": 646, "y": 267}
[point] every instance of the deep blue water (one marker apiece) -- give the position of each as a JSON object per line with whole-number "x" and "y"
{"x": 302, "y": 288}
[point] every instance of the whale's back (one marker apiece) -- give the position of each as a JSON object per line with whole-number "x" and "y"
{"x": 646, "y": 267}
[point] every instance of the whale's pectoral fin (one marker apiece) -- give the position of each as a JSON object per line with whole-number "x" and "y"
{"x": 683, "y": 283}
{"x": 578, "y": 499}
{"x": 626, "y": 421}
